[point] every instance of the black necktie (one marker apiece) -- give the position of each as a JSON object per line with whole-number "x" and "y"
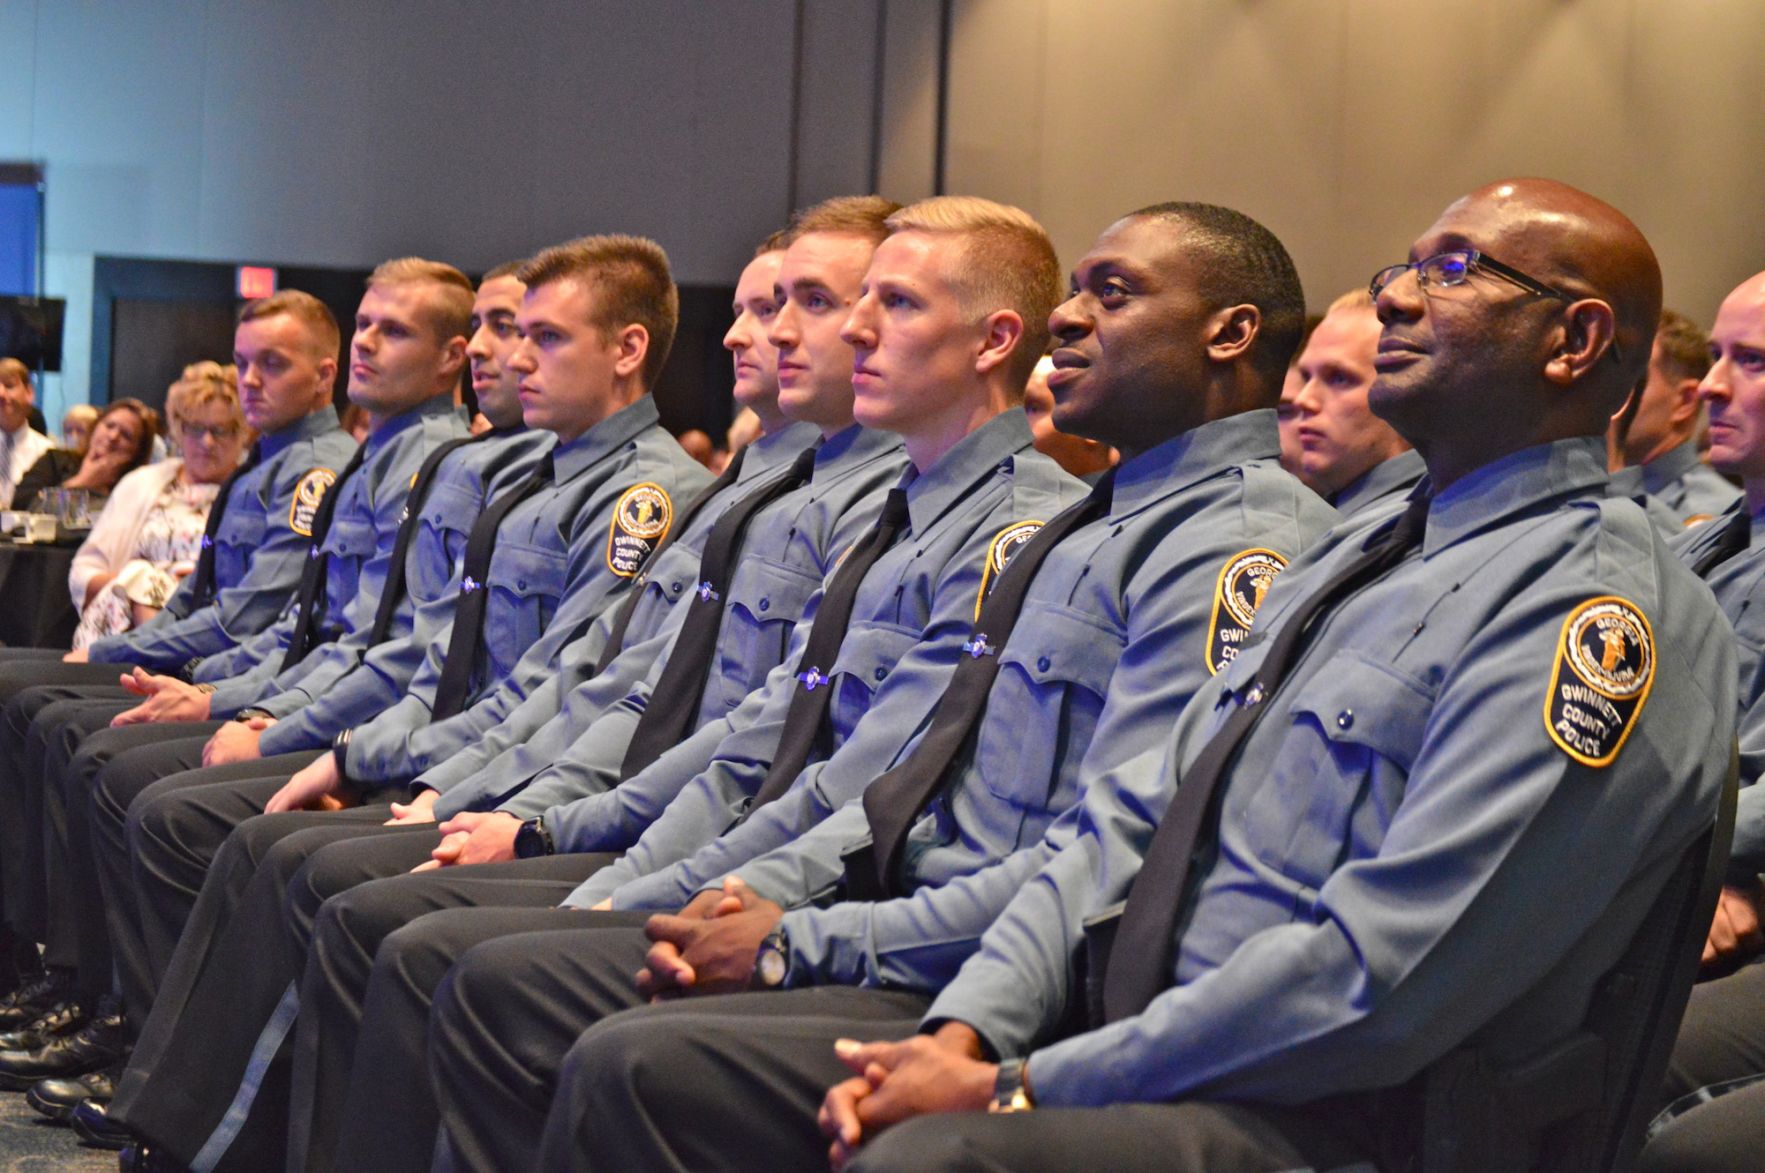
{"x": 894, "y": 801}
{"x": 462, "y": 647}
{"x": 310, "y": 598}
{"x": 1735, "y": 535}
{"x": 677, "y": 695}
{"x": 393, "y": 590}
{"x": 1140, "y": 959}
{"x": 205, "y": 588}
{"x": 807, "y": 715}
{"x": 622, "y": 621}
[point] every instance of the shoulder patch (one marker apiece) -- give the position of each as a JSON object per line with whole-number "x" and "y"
{"x": 309, "y": 494}
{"x": 1605, "y": 668}
{"x": 1004, "y": 546}
{"x": 1244, "y": 580}
{"x": 640, "y": 522}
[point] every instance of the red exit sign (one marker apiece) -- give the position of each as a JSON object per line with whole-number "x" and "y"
{"x": 256, "y": 281}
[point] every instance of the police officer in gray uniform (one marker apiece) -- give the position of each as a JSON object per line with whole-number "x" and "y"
{"x": 790, "y": 544}
{"x": 1180, "y": 328}
{"x": 252, "y": 557}
{"x": 1382, "y": 881}
{"x": 544, "y": 560}
{"x": 1715, "y": 1083}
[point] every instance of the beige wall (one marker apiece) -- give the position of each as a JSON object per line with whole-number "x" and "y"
{"x": 1345, "y": 125}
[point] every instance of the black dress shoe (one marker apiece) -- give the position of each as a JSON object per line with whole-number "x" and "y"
{"x": 102, "y": 1041}
{"x": 91, "y": 1120}
{"x": 63, "y": 1018}
{"x": 34, "y": 997}
{"x": 141, "y": 1157}
{"x": 57, "y": 1098}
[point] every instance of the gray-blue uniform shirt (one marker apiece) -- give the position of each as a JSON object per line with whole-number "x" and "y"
{"x": 307, "y": 716}
{"x": 1126, "y": 619}
{"x": 259, "y": 552}
{"x": 1736, "y": 583}
{"x": 1543, "y": 683}
{"x": 560, "y": 557}
{"x": 1384, "y": 486}
{"x": 577, "y": 687}
{"x": 789, "y": 547}
{"x": 915, "y": 609}
{"x": 364, "y": 526}
{"x": 1687, "y": 488}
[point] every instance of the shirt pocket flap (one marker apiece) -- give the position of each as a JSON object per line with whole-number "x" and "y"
{"x": 242, "y": 526}
{"x": 352, "y": 537}
{"x": 528, "y": 571}
{"x": 1059, "y": 645}
{"x": 451, "y": 507}
{"x": 870, "y": 652}
{"x": 1357, "y": 701}
{"x": 769, "y": 591}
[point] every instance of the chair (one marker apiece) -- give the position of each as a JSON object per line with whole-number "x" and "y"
{"x": 1582, "y": 1107}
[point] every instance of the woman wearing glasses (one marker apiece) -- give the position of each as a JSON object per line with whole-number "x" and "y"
{"x": 150, "y": 533}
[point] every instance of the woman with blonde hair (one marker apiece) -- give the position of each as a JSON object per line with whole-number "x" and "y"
{"x": 150, "y": 534}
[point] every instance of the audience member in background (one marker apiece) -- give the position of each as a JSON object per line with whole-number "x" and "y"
{"x": 1716, "y": 1077}
{"x": 149, "y": 535}
{"x": 21, "y": 445}
{"x": 1289, "y": 435}
{"x": 1085, "y": 459}
{"x": 76, "y": 427}
{"x": 744, "y": 429}
{"x": 697, "y": 443}
{"x": 122, "y": 441}
{"x": 1345, "y": 453}
{"x": 1657, "y": 433}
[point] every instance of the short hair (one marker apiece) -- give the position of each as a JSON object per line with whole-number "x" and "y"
{"x": 506, "y": 269}
{"x": 773, "y": 242}
{"x": 1358, "y": 298}
{"x": 1243, "y": 263}
{"x": 631, "y": 284}
{"x": 450, "y": 310}
{"x": 866, "y": 216}
{"x": 1007, "y": 262}
{"x": 149, "y": 427}
{"x": 312, "y": 313}
{"x": 15, "y": 368}
{"x": 1685, "y": 348}
{"x": 202, "y": 384}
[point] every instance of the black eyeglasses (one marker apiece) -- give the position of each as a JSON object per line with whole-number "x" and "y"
{"x": 1455, "y": 268}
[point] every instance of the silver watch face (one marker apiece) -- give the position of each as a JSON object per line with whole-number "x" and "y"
{"x": 770, "y": 967}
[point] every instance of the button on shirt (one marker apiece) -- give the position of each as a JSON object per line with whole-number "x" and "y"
{"x": 1437, "y": 865}
{"x": 1115, "y": 637}
{"x": 918, "y": 602}
{"x": 309, "y": 716}
{"x": 1687, "y": 488}
{"x": 258, "y": 555}
{"x": 550, "y": 574}
{"x": 789, "y": 547}
{"x": 358, "y": 545}
{"x": 1737, "y": 582}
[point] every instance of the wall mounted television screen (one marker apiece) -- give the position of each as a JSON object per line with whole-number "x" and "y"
{"x": 30, "y": 330}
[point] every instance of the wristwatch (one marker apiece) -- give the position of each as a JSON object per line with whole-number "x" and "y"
{"x": 532, "y": 840}
{"x": 340, "y": 753}
{"x": 244, "y": 715}
{"x": 1010, "y": 1092}
{"x": 772, "y": 961}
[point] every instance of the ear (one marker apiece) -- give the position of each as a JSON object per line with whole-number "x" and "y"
{"x": 1232, "y": 331}
{"x": 634, "y": 346}
{"x": 454, "y": 355}
{"x": 1004, "y": 331}
{"x": 328, "y": 375}
{"x": 1686, "y": 402}
{"x": 1588, "y": 330}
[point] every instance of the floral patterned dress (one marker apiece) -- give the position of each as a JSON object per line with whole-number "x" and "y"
{"x": 170, "y": 541}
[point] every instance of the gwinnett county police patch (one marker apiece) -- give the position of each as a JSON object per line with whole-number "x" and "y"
{"x": 640, "y": 522}
{"x": 1605, "y": 668}
{"x": 1005, "y": 544}
{"x": 309, "y": 494}
{"x": 1244, "y": 580}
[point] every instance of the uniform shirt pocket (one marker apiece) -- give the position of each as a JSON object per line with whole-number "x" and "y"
{"x": 867, "y": 655}
{"x": 1356, "y": 727}
{"x": 438, "y": 549}
{"x": 765, "y": 601}
{"x": 526, "y": 583}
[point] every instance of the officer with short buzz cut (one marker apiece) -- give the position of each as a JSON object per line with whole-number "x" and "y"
{"x": 1347, "y": 862}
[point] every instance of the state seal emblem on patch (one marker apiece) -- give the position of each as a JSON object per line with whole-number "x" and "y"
{"x": 1000, "y": 551}
{"x": 309, "y": 494}
{"x": 640, "y": 522}
{"x": 1605, "y": 668}
{"x": 1244, "y": 581}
